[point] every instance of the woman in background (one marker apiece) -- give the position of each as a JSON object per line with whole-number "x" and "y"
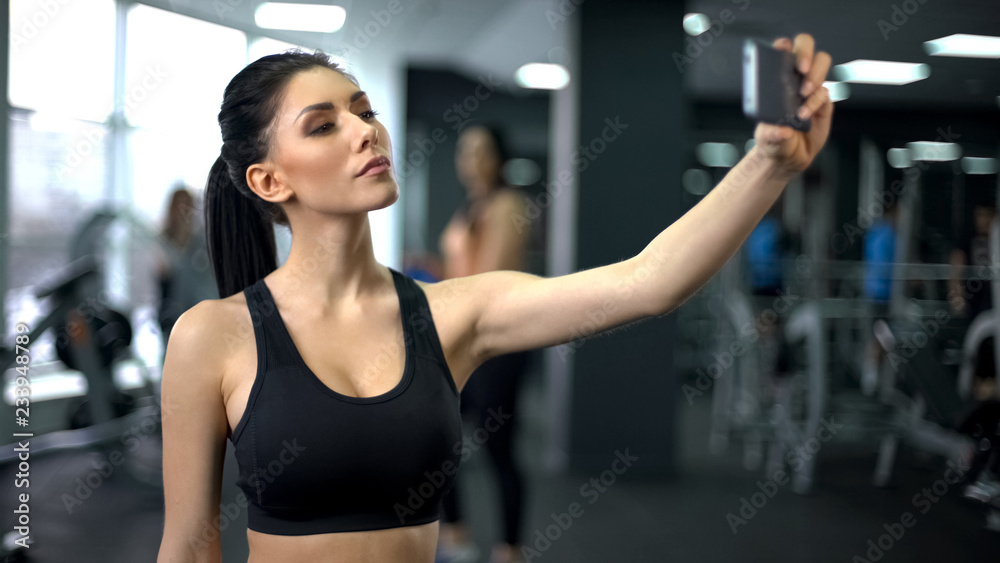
{"x": 183, "y": 272}
{"x": 486, "y": 234}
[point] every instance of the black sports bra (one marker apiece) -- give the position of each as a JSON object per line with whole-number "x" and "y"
{"x": 315, "y": 461}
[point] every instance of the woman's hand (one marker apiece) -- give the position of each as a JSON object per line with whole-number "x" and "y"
{"x": 793, "y": 150}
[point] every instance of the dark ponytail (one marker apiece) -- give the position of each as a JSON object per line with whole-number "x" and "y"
{"x": 238, "y": 222}
{"x": 240, "y": 239}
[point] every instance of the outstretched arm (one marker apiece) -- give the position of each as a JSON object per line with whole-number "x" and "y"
{"x": 513, "y": 311}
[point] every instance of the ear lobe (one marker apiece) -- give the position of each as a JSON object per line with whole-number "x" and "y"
{"x": 261, "y": 181}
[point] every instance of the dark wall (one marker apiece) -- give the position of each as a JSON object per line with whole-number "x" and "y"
{"x": 623, "y": 385}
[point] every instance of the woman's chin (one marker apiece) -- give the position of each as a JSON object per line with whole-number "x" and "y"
{"x": 390, "y": 198}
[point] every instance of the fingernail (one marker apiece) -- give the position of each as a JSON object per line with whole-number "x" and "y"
{"x": 804, "y": 66}
{"x": 803, "y": 112}
{"x": 807, "y": 88}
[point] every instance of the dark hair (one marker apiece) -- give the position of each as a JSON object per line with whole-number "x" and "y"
{"x": 238, "y": 222}
{"x": 495, "y": 133}
{"x": 177, "y": 225}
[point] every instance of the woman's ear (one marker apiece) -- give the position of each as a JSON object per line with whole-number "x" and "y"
{"x": 262, "y": 181}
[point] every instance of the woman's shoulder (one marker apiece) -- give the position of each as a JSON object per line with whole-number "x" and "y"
{"x": 209, "y": 327}
{"x": 506, "y": 200}
{"x": 508, "y": 193}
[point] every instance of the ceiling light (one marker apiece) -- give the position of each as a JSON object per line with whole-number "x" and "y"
{"x": 977, "y": 165}
{"x": 964, "y": 45}
{"x": 696, "y": 24}
{"x": 522, "y": 172}
{"x": 899, "y": 158}
{"x": 718, "y": 155}
{"x": 696, "y": 181}
{"x": 839, "y": 91}
{"x": 865, "y": 71}
{"x": 542, "y": 76}
{"x": 934, "y": 151}
{"x": 300, "y": 17}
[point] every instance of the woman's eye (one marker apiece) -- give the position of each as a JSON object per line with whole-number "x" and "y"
{"x": 323, "y": 128}
{"x": 370, "y": 114}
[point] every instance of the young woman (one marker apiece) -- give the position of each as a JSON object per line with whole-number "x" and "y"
{"x": 342, "y": 459}
{"x": 484, "y": 235}
{"x": 183, "y": 275}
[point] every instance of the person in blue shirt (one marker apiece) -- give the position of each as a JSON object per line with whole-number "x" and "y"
{"x": 879, "y": 253}
{"x": 765, "y": 248}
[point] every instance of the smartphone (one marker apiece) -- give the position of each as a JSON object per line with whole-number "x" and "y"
{"x": 771, "y": 86}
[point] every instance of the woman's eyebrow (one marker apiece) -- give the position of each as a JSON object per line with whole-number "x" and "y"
{"x": 324, "y": 106}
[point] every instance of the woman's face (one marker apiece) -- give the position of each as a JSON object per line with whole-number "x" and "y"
{"x": 183, "y": 205}
{"x": 984, "y": 218}
{"x": 476, "y": 160}
{"x": 324, "y": 135}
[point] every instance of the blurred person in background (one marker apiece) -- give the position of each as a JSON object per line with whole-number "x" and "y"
{"x": 483, "y": 236}
{"x": 183, "y": 272}
{"x": 974, "y": 250}
{"x": 766, "y": 247}
{"x": 766, "y": 250}
{"x": 879, "y": 255}
{"x": 971, "y": 297}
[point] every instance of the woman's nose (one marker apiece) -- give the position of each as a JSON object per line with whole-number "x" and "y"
{"x": 367, "y": 137}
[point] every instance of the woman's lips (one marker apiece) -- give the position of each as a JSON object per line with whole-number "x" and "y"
{"x": 375, "y": 166}
{"x": 376, "y": 170}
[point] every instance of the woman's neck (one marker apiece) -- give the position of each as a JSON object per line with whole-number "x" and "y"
{"x": 332, "y": 264}
{"x": 484, "y": 193}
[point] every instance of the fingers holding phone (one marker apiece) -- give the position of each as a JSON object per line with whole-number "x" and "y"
{"x": 783, "y": 91}
{"x": 772, "y": 84}
{"x": 814, "y": 68}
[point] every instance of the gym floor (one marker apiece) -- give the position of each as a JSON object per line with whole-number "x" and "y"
{"x": 684, "y": 519}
